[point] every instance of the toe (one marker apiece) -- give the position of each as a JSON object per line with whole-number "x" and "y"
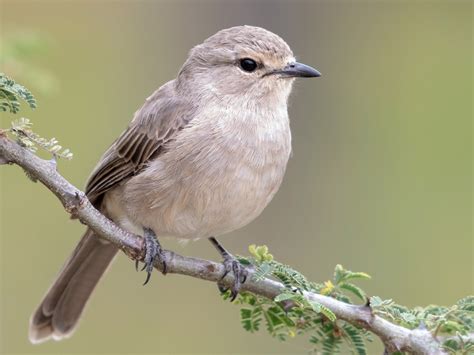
{"x": 153, "y": 252}
{"x": 240, "y": 276}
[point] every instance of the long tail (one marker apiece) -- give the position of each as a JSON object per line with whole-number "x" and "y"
{"x": 62, "y": 306}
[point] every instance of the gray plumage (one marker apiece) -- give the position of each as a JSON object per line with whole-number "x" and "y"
{"x": 203, "y": 156}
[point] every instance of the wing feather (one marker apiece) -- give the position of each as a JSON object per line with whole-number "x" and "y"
{"x": 156, "y": 123}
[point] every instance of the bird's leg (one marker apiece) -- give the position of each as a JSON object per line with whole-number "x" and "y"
{"x": 231, "y": 264}
{"x": 153, "y": 251}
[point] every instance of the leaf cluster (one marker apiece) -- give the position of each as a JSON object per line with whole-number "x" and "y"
{"x": 449, "y": 324}
{"x": 11, "y": 95}
{"x": 291, "y": 313}
{"x": 21, "y": 129}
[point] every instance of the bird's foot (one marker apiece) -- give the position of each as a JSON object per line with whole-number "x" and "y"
{"x": 231, "y": 264}
{"x": 153, "y": 251}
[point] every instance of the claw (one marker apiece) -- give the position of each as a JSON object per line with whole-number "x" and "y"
{"x": 230, "y": 264}
{"x": 240, "y": 275}
{"x": 148, "y": 275}
{"x": 226, "y": 272}
{"x": 222, "y": 288}
{"x": 153, "y": 251}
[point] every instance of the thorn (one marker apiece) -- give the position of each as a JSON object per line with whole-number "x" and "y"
{"x": 398, "y": 347}
{"x": 54, "y": 162}
{"x": 80, "y": 197}
{"x": 73, "y": 206}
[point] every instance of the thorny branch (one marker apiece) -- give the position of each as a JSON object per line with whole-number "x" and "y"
{"x": 395, "y": 338}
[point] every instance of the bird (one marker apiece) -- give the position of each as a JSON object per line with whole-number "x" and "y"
{"x": 202, "y": 157}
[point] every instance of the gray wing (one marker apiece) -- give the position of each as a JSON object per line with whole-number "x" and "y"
{"x": 156, "y": 123}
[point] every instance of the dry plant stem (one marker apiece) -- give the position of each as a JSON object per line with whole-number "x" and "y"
{"x": 417, "y": 341}
{"x": 73, "y": 200}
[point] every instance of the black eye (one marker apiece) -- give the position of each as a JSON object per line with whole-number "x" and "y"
{"x": 248, "y": 64}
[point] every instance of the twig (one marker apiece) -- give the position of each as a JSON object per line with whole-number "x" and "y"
{"x": 395, "y": 338}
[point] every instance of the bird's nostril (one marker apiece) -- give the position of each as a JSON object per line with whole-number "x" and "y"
{"x": 292, "y": 65}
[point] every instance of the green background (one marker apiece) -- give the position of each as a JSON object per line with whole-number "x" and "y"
{"x": 380, "y": 179}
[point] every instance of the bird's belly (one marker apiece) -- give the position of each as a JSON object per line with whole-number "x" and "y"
{"x": 222, "y": 204}
{"x": 231, "y": 203}
{"x": 201, "y": 200}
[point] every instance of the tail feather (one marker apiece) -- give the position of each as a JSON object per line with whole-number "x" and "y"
{"x": 61, "y": 308}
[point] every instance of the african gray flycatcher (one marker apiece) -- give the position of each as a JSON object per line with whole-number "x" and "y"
{"x": 203, "y": 156}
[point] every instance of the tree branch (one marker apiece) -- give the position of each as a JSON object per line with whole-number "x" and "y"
{"x": 395, "y": 338}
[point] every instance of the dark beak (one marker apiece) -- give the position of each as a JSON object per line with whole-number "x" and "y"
{"x": 298, "y": 70}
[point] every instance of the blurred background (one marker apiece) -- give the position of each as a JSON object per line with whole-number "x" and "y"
{"x": 380, "y": 179}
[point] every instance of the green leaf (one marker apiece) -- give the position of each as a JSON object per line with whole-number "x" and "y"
{"x": 21, "y": 129}
{"x": 243, "y": 260}
{"x": 262, "y": 271}
{"x": 319, "y": 308}
{"x": 355, "y": 290}
{"x": 331, "y": 345}
{"x": 338, "y": 273}
{"x": 452, "y": 327}
{"x": 284, "y": 297}
{"x": 316, "y": 306}
{"x": 251, "y": 318}
{"x": 11, "y": 93}
{"x": 328, "y": 313}
{"x": 357, "y": 275}
{"x": 311, "y": 317}
{"x": 342, "y": 275}
{"x": 466, "y": 304}
{"x": 355, "y": 338}
{"x": 376, "y": 301}
{"x": 451, "y": 345}
{"x": 277, "y": 321}
{"x": 290, "y": 278}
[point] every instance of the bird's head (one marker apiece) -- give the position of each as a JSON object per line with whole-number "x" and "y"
{"x": 243, "y": 60}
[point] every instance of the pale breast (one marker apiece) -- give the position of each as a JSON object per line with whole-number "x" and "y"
{"x": 217, "y": 176}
